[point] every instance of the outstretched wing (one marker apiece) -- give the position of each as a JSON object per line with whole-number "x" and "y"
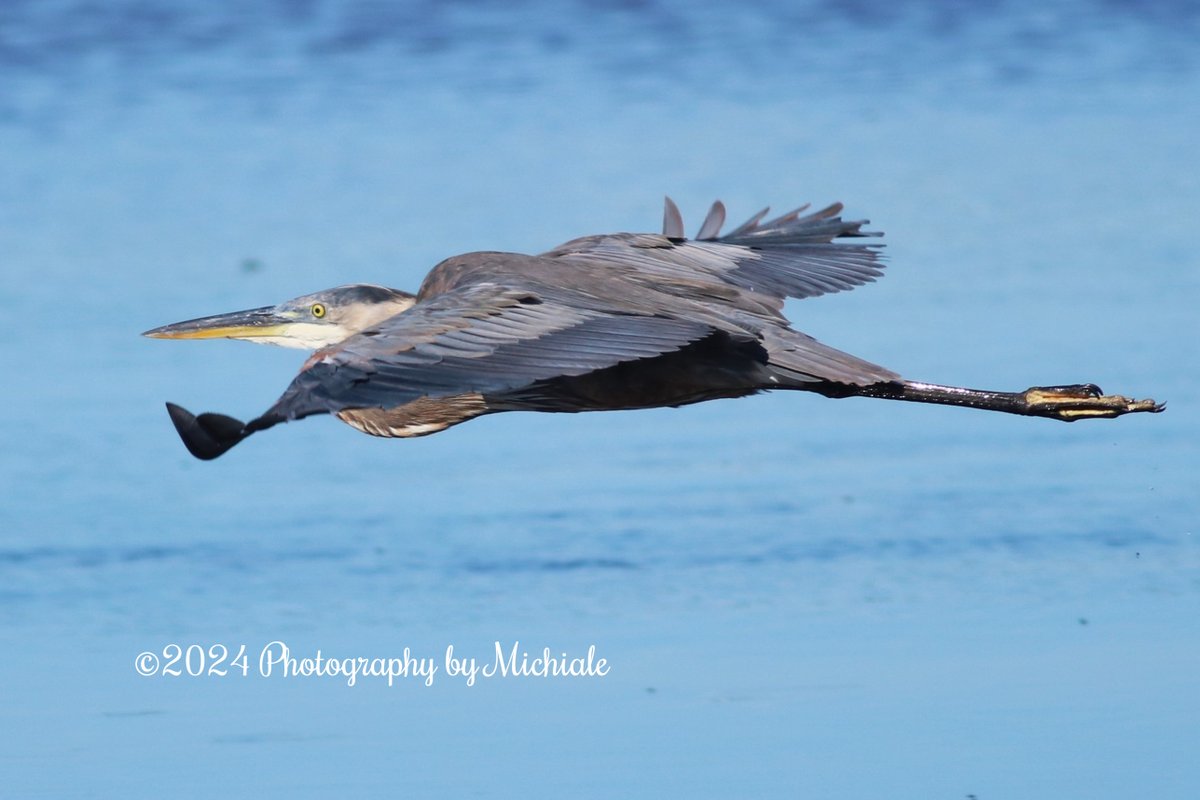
{"x": 482, "y": 338}
{"x": 789, "y": 256}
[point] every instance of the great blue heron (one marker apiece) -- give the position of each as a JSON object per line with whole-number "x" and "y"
{"x": 619, "y": 321}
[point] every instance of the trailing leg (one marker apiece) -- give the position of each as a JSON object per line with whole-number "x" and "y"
{"x": 1065, "y": 403}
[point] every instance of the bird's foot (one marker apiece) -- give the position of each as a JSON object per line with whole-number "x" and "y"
{"x": 1082, "y": 401}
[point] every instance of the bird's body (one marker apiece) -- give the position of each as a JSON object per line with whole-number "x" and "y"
{"x": 620, "y": 321}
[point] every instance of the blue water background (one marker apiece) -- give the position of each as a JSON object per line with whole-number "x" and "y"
{"x": 799, "y": 597}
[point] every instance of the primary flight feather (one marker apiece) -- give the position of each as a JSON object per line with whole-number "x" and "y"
{"x": 617, "y": 321}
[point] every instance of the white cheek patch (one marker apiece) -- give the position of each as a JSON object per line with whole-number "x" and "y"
{"x": 280, "y": 341}
{"x": 304, "y": 336}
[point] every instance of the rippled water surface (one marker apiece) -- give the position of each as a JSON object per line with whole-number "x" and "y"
{"x": 797, "y": 596}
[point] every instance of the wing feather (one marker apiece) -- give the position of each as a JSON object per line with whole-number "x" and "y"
{"x": 672, "y": 220}
{"x": 789, "y": 256}
{"x": 713, "y": 222}
{"x": 481, "y": 338}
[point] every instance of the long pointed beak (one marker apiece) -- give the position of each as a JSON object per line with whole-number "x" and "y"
{"x": 250, "y": 324}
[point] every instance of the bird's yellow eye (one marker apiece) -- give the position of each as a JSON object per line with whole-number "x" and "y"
{"x": 318, "y": 310}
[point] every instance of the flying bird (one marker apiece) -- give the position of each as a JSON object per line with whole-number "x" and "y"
{"x": 608, "y": 322}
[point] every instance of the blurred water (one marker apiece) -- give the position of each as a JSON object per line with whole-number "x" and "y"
{"x": 790, "y": 582}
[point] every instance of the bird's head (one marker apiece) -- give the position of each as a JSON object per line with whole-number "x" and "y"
{"x": 310, "y": 322}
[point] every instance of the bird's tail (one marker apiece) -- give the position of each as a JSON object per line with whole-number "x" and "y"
{"x": 209, "y": 435}
{"x": 796, "y": 358}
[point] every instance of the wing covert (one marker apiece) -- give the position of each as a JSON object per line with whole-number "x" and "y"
{"x": 793, "y": 255}
{"x": 482, "y": 338}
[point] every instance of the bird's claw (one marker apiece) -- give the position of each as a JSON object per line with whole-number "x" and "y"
{"x": 1081, "y": 401}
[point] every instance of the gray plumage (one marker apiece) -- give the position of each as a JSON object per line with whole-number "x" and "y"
{"x": 503, "y": 323}
{"x": 606, "y": 322}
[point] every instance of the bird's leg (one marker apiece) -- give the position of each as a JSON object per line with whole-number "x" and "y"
{"x": 1066, "y": 403}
